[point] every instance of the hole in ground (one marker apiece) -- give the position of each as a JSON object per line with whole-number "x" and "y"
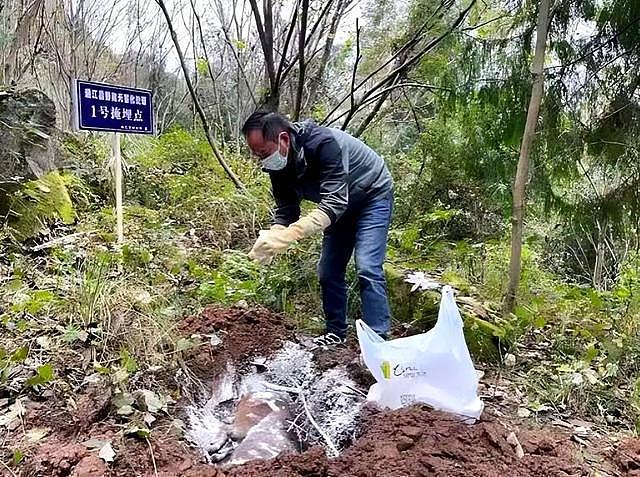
{"x": 280, "y": 404}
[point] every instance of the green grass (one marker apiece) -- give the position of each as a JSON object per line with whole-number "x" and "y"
{"x": 187, "y": 234}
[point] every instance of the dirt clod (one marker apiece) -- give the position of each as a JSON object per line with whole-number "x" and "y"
{"x": 55, "y": 459}
{"x": 93, "y": 404}
{"x": 413, "y": 432}
{"x": 90, "y": 466}
{"x": 627, "y": 457}
{"x": 404, "y": 443}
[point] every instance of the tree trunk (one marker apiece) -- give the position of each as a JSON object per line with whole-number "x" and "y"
{"x": 196, "y": 102}
{"x": 216, "y": 97}
{"x": 380, "y": 102}
{"x": 194, "y": 112}
{"x": 316, "y": 81}
{"x": 271, "y": 99}
{"x": 599, "y": 262}
{"x": 522, "y": 171}
{"x": 302, "y": 67}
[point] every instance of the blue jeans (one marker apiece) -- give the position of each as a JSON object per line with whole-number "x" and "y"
{"x": 364, "y": 231}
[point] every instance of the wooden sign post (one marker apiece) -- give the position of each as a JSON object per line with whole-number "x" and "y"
{"x": 116, "y": 109}
{"x": 117, "y": 178}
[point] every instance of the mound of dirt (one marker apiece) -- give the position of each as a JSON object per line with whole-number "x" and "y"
{"x": 411, "y": 442}
{"x": 627, "y": 457}
{"x": 418, "y": 441}
{"x": 242, "y": 332}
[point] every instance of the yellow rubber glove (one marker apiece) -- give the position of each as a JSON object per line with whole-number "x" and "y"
{"x": 314, "y": 222}
{"x": 276, "y": 240}
{"x": 259, "y": 252}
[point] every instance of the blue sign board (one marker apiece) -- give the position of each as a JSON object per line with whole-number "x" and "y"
{"x": 105, "y": 107}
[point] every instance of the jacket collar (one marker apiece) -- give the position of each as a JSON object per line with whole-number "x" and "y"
{"x": 301, "y": 131}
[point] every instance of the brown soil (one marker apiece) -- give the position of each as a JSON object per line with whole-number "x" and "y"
{"x": 421, "y": 442}
{"x": 415, "y": 441}
{"x": 409, "y": 442}
{"x": 245, "y": 333}
{"x": 627, "y": 457}
{"x": 93, "y": 404}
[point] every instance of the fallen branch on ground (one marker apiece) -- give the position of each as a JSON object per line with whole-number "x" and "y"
{"x": 66, "y": 240}
{"x": 334, "y": 449}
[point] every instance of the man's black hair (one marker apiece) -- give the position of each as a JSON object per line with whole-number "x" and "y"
{"x": 268, "y": 122}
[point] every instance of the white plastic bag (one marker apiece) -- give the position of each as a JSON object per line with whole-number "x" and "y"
{"x": 434, "y": 367}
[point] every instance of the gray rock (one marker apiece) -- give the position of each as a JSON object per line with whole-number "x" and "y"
{"x": 28, "y": 148}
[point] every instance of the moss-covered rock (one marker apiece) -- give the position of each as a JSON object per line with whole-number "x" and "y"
{"x": 37, "y": 204}
{"x": 28, "y": 148}
{"x": 31, "y": 196}
{"x": 419, "y": 311}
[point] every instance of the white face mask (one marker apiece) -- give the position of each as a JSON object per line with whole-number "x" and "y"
{"x": 275, "y": 161}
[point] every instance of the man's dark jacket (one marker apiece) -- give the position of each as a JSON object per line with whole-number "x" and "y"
{"x": 329, "y": 167}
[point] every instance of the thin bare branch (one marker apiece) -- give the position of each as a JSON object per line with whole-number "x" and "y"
{"x": 405, "y": 65}
{"x": 194, "y": 98}
{"x": 301, "y": 73}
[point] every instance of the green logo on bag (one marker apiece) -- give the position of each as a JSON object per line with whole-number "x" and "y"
{"x": 386, "y": 369}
